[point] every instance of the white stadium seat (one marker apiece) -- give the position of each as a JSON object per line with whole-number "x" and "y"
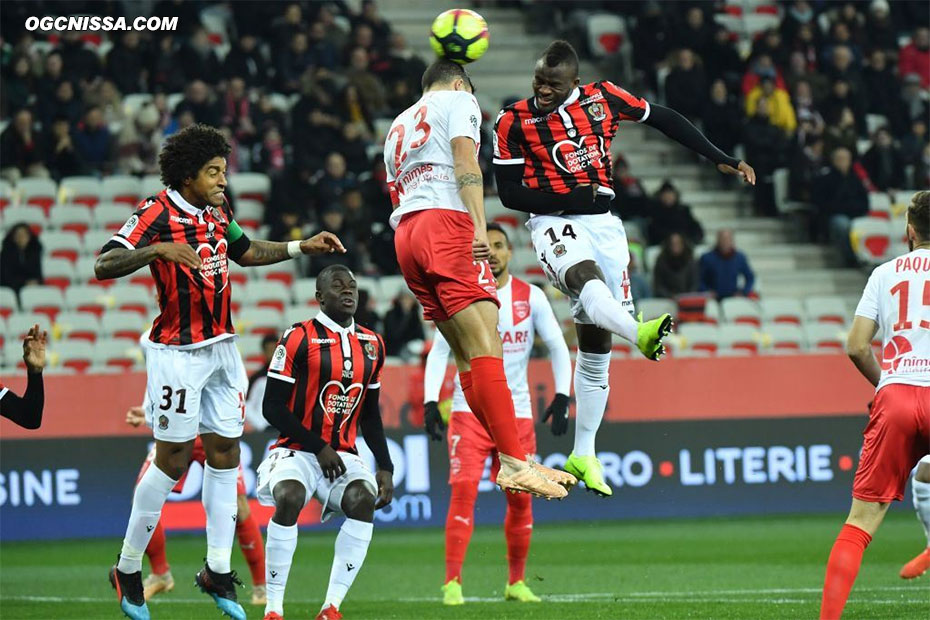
{"x": 77, "y": 326}
{"x": 80, "y": 190}
{"x": 826, "y": 309}
{"x": 741, "y": 310}
{"x": 77, "y": 218}
{"x": 124, "y": 189}
{"x": 782, "y": 310}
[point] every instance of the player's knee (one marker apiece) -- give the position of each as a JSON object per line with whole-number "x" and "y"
{"x": 578, "y": 275}
{"x": 222, "y": 453}
{"x": 358, "y": 502}
{"x": 923, "y": 473}
{"x": 173, "y": 458}
{"x": 289, "y": 499}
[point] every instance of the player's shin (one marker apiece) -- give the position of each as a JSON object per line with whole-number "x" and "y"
{"x": 279, "y": 553}
{"x": 842, "y": 569}
{"x": 606, "y": 312}
{"x": 591, "y": 391}
{"x": 219, "y": 502}
{"x": 492, "y": 396}
{"x": 351, "y": 549}
{"x": 459, "y": 526}
{"x": 147, "y": 501}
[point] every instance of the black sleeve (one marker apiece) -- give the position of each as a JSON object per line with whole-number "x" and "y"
{"x": 680, "y": 129}
{"x": 515, "y": 196}
{"x": 276, "y": 411}
{"x": 26, "y": 410}
{"x": 373, "y": 430}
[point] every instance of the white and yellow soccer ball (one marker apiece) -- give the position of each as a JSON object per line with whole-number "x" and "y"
{"x": 460, "y": 35}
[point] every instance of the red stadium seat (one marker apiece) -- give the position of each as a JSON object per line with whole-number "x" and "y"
{"x": 83, "y": 190}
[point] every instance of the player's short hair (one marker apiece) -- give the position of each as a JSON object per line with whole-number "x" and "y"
{"x": 918, "y": 214}
{"x": 561, "y": 53}
{"x": 444, "y": 71}
{"x": 495, "y": 226}
{"x": 187, "y": 151}
{"x": 328, "y": 272}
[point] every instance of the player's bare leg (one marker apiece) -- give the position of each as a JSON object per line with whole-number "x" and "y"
{"x": 171, "y": 461}
{"x": 219, "y": 501}
{"x": 920, "y": 488}
{"x": 289, "y": 499}
{"x": 472, "y": 335}
{"x": 846, "y": 556}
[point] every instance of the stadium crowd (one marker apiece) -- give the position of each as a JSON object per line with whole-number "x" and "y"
{"x": 837, "y": 93}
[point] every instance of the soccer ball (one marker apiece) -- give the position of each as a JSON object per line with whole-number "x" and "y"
{"x": 459, "y": 35}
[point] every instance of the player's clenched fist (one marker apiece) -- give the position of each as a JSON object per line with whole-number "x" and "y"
{"x": 480, "y": 247}
{"x": 322, "y": 243}
{"x": 179, "y": 253}
{"x": 135, "y": 416}
{"x": 331, "y": 463}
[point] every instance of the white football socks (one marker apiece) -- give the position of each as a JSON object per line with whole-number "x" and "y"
{"x": 149, "y": 497}
{"x": 351, "y": 549}
{"x": 279, "y": 553}
{"x": 921, "y": 493}
{"x": 591, "y": 392}
{"x": 606, "y": 312}
{"x": 219, "y": 502}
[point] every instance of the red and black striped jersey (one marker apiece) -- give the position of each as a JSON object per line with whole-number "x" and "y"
{"x": 194, "y": 304}
{"x": 569, "y": 146}
{"x": 332, "y": 368}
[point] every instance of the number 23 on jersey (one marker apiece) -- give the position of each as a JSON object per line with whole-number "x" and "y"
{"x": 419, "y": 136}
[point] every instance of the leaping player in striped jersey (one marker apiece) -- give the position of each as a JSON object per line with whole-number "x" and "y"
{"x": 552, "y": 160}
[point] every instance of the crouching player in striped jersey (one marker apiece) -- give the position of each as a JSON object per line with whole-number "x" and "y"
{"x": 324, "y": 380}
{"x": 524, "y": 313}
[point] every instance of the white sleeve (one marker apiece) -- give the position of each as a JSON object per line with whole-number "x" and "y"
{"x": 253, "y": 404}
{"x": 435, "y": 372}
{"x": 388, "y": 157}
{"x": 549, "y": 330}
{"x": 464, "y": 117}
{"x": 869, "y": 305}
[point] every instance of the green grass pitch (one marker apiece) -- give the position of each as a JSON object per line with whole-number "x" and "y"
{"x": 722, "y": 568}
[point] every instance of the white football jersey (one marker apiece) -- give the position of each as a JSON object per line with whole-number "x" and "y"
{"x": 524, "y": 312}
{"x": 897, "y": 297}
{"x": 418, "y": 151}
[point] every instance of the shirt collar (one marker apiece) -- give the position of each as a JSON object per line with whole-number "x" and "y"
{"x": 332, "y": 325}
{"x": 182, "y": 204}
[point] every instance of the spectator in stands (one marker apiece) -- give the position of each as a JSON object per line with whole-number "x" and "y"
{"x": 884, "y": 163}
{"x": 321, "y": 52}
{"x": 246, "y": 60}
{"x": 914, "y": 141}
{"x": 94, "y": 142}
{"x": 675, "y": 271}
{"x": 633, "y": 205}
{"x": 271, "y": 155}
{"x": 721, "y": 60}
{"x": 809, "y": 118}
{"x": 139, "y": 142}
{"x": 52, "y": 75}
{"x": 371, "y": 18}
{"x": 402, "y": 324}
{"x": 879, "y": 82}
{"x": 365, "y": 314}
{"x": 806, "y": 46}
{"x": 20, "y": 258}
{"x": 722, "y": 268}
{"x": 780, "y": 110}
{"x": 841, "y": 96}
{"x": 368, "y": 88}
{"x": 651, "y": 41}
{"x": 921, "y": 177}
{"x": 287, "y": 225}
{"x": 292, "y": 63}
{"x": 165, "y": 75}
{"x": 329, "y": 183}
{"x": 761, "y": 67}
{"x": 914, "y": 104}
{"x": 695, "y": 33}
{"x": 103, "y": 93}
{"x": 266, "y": 116}
{"x": 21, "y": 152}
{"x": 127, "y": 64}
{"x": 849, "y": 16}
{"x": 842, "y": 66}
{"x": 799, "y": 71}
{"x": 18, "y": 85}
{"x": 61, "y": 156}
{"x": 333, "y": 219}
{"x": 199, "y": 101}
{"x": 236, "y": 112}
{"x": 806, "y": 165}
{"x": 914, "y": 58}
{"x": 81, "y": 64}
{"x": 63, "y": 102}
{"x": 721, "y": 118}
{"x": 879, "y": 27}
{"x": 841, "y": 133}
{"x": 798, "y": 14}
{"x": 765, "y": 145}
{"x": 284, "y": 28}
{"x": 682, "y": 82}
{"x": 670, "y": 215}
{"x": 839, "y": 196}
{"x": 405, "y": 67}
{"x": 354, "y": 148}
{"x": 770, "y": 44}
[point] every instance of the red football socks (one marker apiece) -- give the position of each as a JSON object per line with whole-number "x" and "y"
{"x": 253, "y": 547}
{"x": 842, "y": 568}
{"x": 518, "y": 528}
{"x": 492, "y": 399}
{"x": 158, "y": 557}
{"x": 468, "y": 391}
{"x": 459, "y": 525}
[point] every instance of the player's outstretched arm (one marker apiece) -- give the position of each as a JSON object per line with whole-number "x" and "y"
{"x": 26, "y": 411}
{"x": 269, "y": 252}
{"x": 680, "y": 129}
{"x": 859, "y": 348}
{"x": 514, "y": 195}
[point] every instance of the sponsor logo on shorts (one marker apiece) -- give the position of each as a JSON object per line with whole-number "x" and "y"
{"x": 559, "y": 250}
{"x": 278, "y": 359}
{"x": 163, "y": 422}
